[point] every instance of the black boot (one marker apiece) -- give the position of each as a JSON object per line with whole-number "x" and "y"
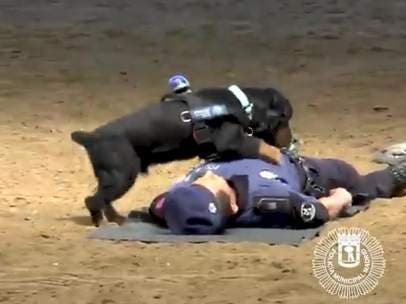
{"x": 399, "y": 174}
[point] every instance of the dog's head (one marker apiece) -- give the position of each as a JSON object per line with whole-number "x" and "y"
{"x": 272, "y": 112}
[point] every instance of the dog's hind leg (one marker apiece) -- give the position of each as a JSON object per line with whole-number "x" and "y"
{"x": 117, "y": 168}
{"x": 112, "y": 185}
{"x": 119, "y": 183}
{"x": 95, "y": 205}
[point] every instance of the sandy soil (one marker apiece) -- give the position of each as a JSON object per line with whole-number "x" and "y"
{"x": 66, "y": 65}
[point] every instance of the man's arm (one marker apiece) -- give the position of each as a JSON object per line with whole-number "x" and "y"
{"x": 311, "y": 212}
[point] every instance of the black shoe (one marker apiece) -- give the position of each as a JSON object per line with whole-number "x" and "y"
{"x": 399, "y": 174}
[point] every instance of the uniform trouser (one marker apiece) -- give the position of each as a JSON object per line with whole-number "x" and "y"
{"x": 334, "y": 173}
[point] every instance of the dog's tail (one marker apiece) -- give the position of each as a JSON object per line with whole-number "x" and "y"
{"x": 83, "y": 138}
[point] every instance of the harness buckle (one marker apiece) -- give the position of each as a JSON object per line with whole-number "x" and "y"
{"x": 185, "y": 116}
{"x": 249, "y": 131}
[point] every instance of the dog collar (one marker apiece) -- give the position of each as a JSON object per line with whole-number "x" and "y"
{"x": 243, "y": 99}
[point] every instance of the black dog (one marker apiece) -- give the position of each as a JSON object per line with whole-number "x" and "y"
{"x": 210, "y": 123}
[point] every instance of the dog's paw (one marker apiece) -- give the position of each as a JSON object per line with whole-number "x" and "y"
{"x": 97, "y": 217}
{"x": 112, "y": 215}
{"x": 93, "y": 205}
{"x": 116, "y": 218}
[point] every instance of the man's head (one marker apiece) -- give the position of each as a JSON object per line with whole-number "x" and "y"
{"x": 200, "y": 207}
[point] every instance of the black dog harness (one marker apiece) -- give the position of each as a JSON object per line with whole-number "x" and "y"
{"x": 202, "y": 113}
{"x": 205, "y": 115}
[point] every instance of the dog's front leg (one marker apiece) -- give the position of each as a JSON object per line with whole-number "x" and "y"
{"x": 283, "y": 136}
{"x": 265, "y": 151}
{"x": 230, "y": 140}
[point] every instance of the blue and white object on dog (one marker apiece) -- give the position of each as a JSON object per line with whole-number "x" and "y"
{"x": 179, "y": 84}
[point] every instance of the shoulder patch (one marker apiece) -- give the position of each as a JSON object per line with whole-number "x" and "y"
{"x": 307, "y": 212}
{"x": 268, "y": 174}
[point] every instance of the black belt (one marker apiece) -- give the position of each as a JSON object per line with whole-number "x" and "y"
{"x": 311, "y": 184}
{"x": 308, "y": 177}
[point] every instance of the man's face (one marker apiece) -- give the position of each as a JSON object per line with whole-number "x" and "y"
{"x": 216, "y": 185}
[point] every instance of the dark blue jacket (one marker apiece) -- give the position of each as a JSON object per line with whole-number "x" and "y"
{"x": 268, "y": 196}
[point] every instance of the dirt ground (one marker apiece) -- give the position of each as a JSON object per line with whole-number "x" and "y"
{"x": 66, "y": 65}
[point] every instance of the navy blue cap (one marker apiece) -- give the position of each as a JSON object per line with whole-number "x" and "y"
{"x": 194, "y": 210}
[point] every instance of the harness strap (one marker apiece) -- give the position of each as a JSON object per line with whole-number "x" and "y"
{"x": 243, "y": 99}
{"x": 203, "y": 137}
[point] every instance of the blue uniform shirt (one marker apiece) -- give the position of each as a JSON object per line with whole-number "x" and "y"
{"x": 265, "y": 181}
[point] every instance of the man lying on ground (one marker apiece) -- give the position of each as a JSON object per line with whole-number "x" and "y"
{"x": 301, "y": 192}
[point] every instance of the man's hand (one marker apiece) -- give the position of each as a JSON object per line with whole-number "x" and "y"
{"x": 343, "y": 194}
{"x": 339, "y": 198}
